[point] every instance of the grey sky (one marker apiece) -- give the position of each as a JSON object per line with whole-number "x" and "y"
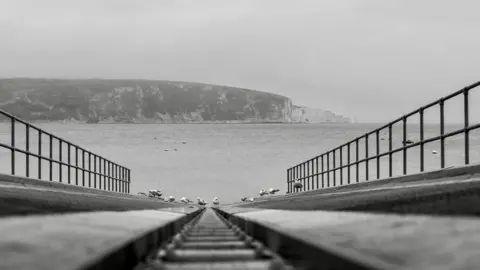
{"x": 374, "y": 59}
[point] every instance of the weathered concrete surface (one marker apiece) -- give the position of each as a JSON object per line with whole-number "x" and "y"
{"x": 397, "y": 241}
{"x": 19, "y": 196}
{"x": 74, "y": 241}
{"x": 456, "y": 193}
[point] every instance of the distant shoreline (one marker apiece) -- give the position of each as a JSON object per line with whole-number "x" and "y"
{"x": 171, "y": 123}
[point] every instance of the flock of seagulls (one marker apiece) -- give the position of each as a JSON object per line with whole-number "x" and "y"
{"x": 154, "y": 193}
{"x": 262, "y": 193}
{"x": 174, "y": 149}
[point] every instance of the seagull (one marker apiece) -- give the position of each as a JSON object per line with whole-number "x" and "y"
{"x": 154, "y": 193}
{"x": 263, "y": 192}
{"x": 201, "y": 201}
{"x": 171, "y": 199}
{"x": 298, "y": 185}
{"x": 141, "y": 193}
{"x": 244, "y": 199}
{"x": 184, "y": 200}
{"x": 165, "y": 199}
{"x": 215, "y": 201}
{"x": 273, "y": 190}
{"x": 250, "y": 199}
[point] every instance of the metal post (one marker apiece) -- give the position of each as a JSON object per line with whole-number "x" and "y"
{"x": 89, "y": 169}
{"x": 357, "y": 159}
{"x": 341, "y": 166}
{"x": 76, "y": 165}
{"x": 60, "y": 176}
{"x": 390, "y": 148}
{"x": 69, "y": 173}
{"x": 404, "y": 146}
{"x": 378, "y": 153}
{"x": 442, "y": 133}
{"x": 27, "y": 149}
{"x": 323, "y": 172}
{"x": 334, "y": 168}
{"x": 422, "y": 144}
{"x": 466, "y": 123}
{"x": 95, "y": 171}
{"x": 366, "y": 158}
{"x": 50, "y": 161}
{"x": 12, "y": 144}
{"x": 83, "y": 167}
{"x": 39, "y": 154}
{"x": 348, "y": 162}
{"x": 328, "y": 169}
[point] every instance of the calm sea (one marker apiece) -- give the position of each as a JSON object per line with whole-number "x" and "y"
{"x": 227, "y": 161}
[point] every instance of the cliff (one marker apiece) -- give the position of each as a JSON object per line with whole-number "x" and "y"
{"x": 141, "y": 101}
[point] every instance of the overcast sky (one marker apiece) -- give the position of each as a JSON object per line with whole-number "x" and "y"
{"x": 374, "y": 59}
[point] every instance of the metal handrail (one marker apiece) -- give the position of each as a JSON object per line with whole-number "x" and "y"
{"x": 115, "y": 177}
{"x": 309, "y": 172}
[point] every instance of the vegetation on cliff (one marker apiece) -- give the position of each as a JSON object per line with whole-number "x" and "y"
{"x": 131, "y": 101}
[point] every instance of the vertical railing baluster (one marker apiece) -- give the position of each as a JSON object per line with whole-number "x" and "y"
{"x": 341, "y": 166}
{"x": 69, "y": 162}
{"x": 60, "y": 161}
{"x": 12, "y": 144}
{"x": 308, "y": 176}
{"x": 404, "y": 145}
{"x": 39, "y": 154}
{"x": 83, "y": 167}
{"x": 50, "y": 160}
{"x": 27, "y": 149}
{"x": 317, "y": 172}
{"x": 466, "y": 124}
{"x": 348, "y": 162}
{"x": 323, "y": 173}
{"x": 422, "y": 144}
{"x": 334, "y": 168}
{"x": 89, "y": 169}
{"x": 288, "y": 181}
{"x": 328, "y": 169}
{"x": 367, "y": 173}
{"x": 303, "y": 176}
{"x": 108, "y": 175}
{"x": 357, "y": 156}
{"x": 378, "y": 153}
{"x": 95, "y": 171}
{"x": 390, "y": 148}
{"x": 129, "y": 175}
{"x": 442, "y": 133}
{"x": 76, "y": 165}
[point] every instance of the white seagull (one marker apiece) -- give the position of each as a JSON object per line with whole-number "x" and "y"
{"x": 273, "y": 190}
{"x": 263, "y": 192}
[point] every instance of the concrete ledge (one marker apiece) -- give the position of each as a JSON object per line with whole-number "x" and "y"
{"x": 20, "y": 196}
{"x": 453, "y": 195}
{"x": 379, "y": 240}
{"x": 84, "y": 240}
{"x": 7, "y": 179}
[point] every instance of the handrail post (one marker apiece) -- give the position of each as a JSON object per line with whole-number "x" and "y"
{"x": 422, "y": 144}
{"x": 404, "y": 145}
{"x": 466, "y": 125}
{"x": 442, "y": 133}
{"x": 27, "y": 149}
{"x": 12, "y": 144}
{"x": 366, "y": 158}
